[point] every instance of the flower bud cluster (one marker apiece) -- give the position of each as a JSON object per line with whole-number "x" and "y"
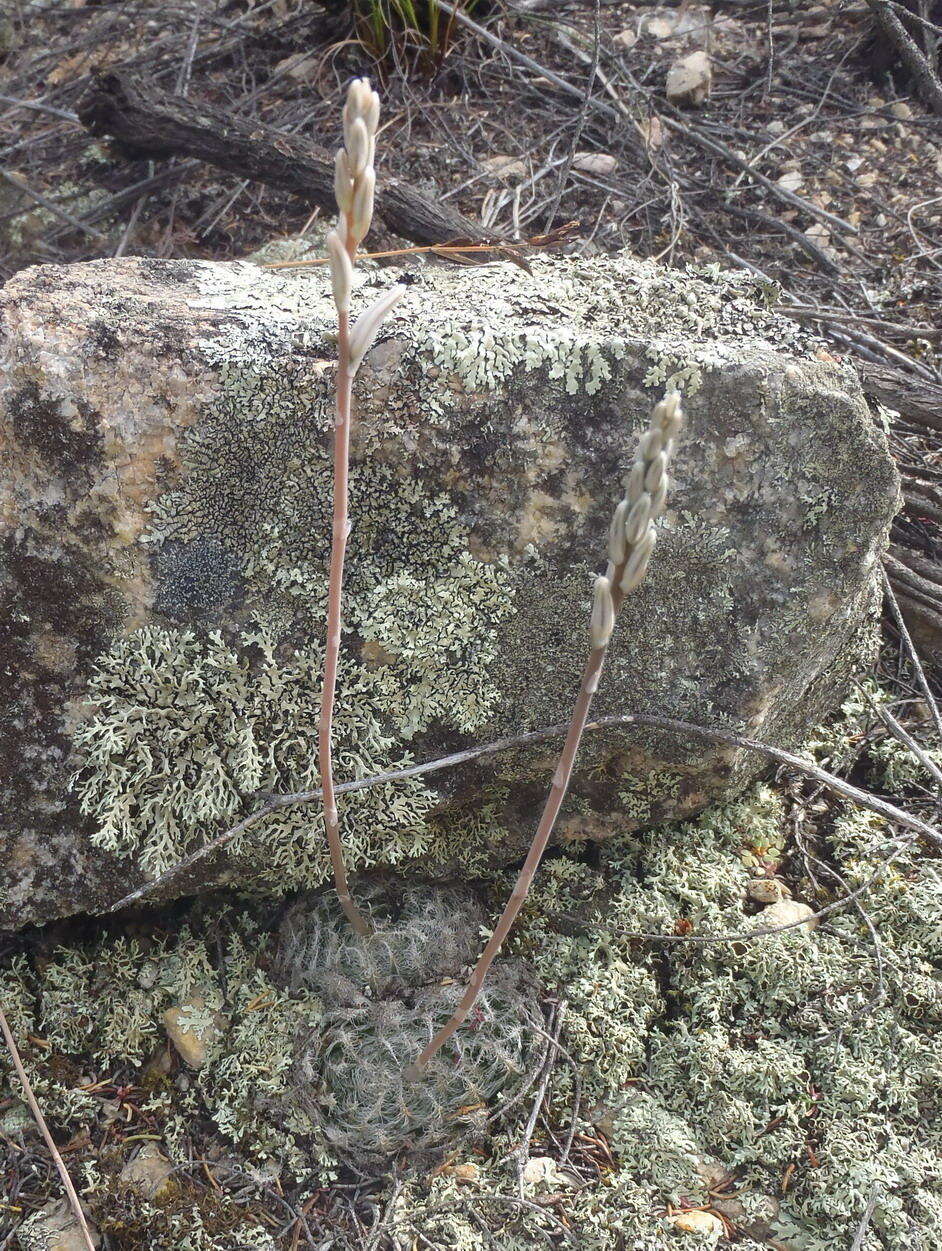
{"x": 354, "y": 189}
{"x": 632, "y": 533}
{"x": 354, "y": 186}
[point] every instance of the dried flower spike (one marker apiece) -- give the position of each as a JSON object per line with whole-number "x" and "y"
{"x": 354, "y": 185}
{"x": 630, "y": 544}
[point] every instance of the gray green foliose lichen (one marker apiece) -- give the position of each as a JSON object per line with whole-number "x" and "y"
{"x": 802, "y": 1064}
{"x": 187, "y": 721}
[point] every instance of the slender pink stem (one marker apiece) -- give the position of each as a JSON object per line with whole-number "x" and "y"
{"x": 40, "y": 1120}
{"x": 557, "y": 793}
{"x": 338, "y": 550}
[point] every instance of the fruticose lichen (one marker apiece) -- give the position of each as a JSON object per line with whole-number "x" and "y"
{"x": 781, "y": 1080}
{"x": 187, "y": 721}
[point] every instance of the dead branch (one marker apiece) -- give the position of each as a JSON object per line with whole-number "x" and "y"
{"x": 643, "y": 720}
{"x": 918, "y": 401}
{"x": 154, "y": 123}
{"x": 925, "y": 79}
{"x": 910, "y": 650}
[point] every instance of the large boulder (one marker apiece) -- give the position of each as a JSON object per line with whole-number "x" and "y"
{"x": 164, "y": 520}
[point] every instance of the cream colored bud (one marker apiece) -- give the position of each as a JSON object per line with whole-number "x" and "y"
{"x": 603, "y": 613}
{"x": 617, "y": 548}
{"x": 635, "y": 485}
{"x": 669, "y": 414}
{"x": 358, "y": 147}
{"x": 343, "y": 182}
{"x": 659, "y": 497}
{"x": 358, "y": 97}
{"x": 665, "y": 408}
{"x": 362, "y": 212}
{"x": 650, "y": 444}
{"x": 341, "y": 271}
{"x": 637, "y": 565}
{"x": 371, "y": 114}
{"x": 638, "y": 519}
{"x": 368, "y": 323}
{"x": 655, "y": 473}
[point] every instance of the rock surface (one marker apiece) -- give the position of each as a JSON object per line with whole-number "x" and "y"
{"x": 194, "y": 1030}
{"x": 150, "y": 1172}
{"x": 164, "y": 523}
{"x": 54, "y": 1228}
{"x": 690, "y": 79}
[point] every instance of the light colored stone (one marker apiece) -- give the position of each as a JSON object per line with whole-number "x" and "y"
{"x": 468, "y": 1172}
{"x": 54, "y": 1228}
{"x": 601, "y": 163}
{"x": 625, "y": 39}
{"x": 149, "y": 1172}
{"x": 194, "y": 1030}
{"x": 505, "y": 166}
{"x": 767, "y": 890}
{"x": 707, "y": 1224}
{"x": 541, "y": 1170}
{"x": 165, "y": 520}
{"x": 791, "y": 180}
{"x": 690, "y": 79}
{"x": 659, "y": 26}
{"x": 787, "y": 912}
{"x": 651, "y": 130}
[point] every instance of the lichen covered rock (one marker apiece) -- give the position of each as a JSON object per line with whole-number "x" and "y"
{"x": 164, "y": 529}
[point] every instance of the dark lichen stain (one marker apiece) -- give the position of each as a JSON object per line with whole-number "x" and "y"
{"x": 38, "y": 423}
{"x": 53, "y": 599}
{"x": 103, "y": 338}
{"x": 169, "y": 273}
{"x": 195, "y": 578}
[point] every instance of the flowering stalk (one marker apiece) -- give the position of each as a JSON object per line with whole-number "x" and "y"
{"x": 354, "y": 186}
{"x": 631, "y": 541}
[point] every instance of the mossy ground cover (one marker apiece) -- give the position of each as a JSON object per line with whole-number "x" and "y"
{"x": 778, "y": 1083}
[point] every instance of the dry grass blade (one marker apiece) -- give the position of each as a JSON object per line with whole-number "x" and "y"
{"x": 74, "y": 1202}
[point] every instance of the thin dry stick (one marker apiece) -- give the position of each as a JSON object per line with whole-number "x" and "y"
{"x": 903, "y": 736}
{"x": 354, "y": 185}
{"x": 642, "y": 720}
{"x": 910, "y": 648}
{"x": 40, "y": 1120}
{"x": 866, "y": 1218}
{"x": 631, "y": 542}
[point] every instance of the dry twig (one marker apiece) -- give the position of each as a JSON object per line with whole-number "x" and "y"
{"x": 74, "y": 1201}
{"x": 924, "y": 76}
{"x": 865, "y": 799}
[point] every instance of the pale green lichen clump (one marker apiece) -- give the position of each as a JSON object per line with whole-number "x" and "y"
{"x": 804, "y": 1064}
{"x": 571, "y": 320}
{"x": 187, "y": 721}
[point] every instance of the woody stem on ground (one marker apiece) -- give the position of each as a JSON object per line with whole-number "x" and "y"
{"x": 631, "y": 542}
